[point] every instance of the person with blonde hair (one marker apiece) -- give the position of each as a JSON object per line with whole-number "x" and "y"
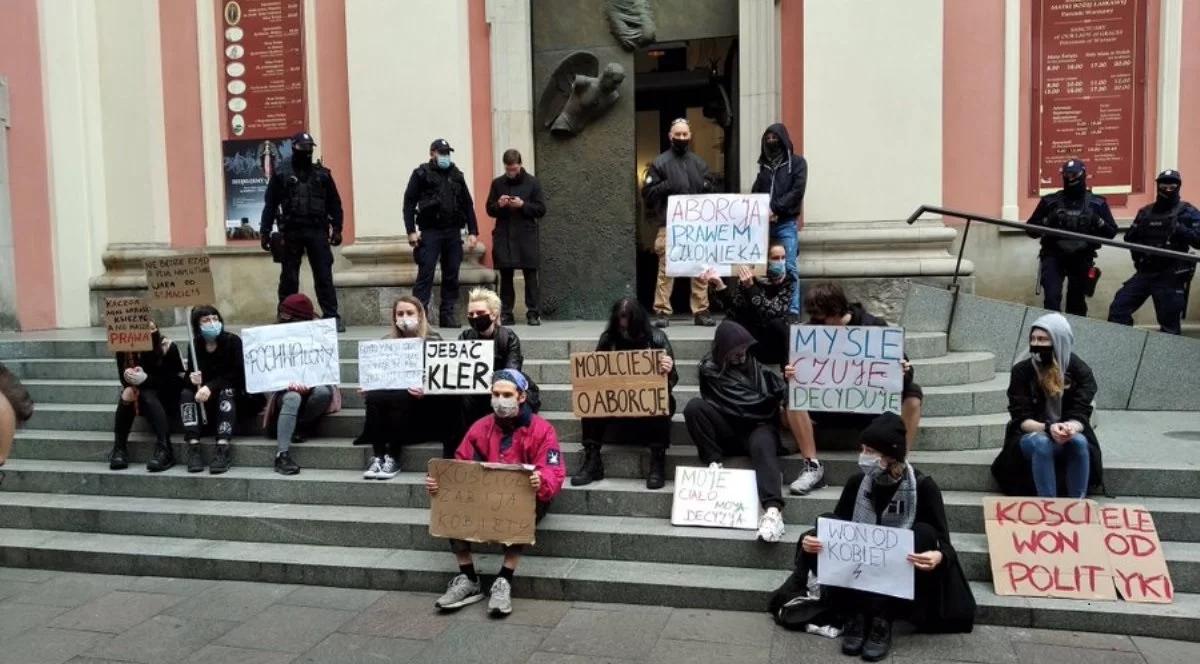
{"x": 1050, "y": 447}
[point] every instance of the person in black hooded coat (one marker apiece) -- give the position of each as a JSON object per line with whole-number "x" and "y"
{"x": 784, "y": 175}
{"x": 149, "y": 380}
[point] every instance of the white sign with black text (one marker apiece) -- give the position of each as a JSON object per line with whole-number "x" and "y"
{"x": 715, "y": 497}
{"x": 391, "y": 364}
{"x": 866, "y": 557}
{"x": 458, "y": 367}
{"x": 276, "y": 356}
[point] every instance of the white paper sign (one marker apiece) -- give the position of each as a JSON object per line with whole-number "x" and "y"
{"x": 391, "y": 364}
{"x": 458, "y": 367}
{"x": 846, "y": 368}
{"x": 276, "y": 356}
{"x": 865, "y": 557}
{"x": 716, "y": 498}
{"x": 716, "y": 231}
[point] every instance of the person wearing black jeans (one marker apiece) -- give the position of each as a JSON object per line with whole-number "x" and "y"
{"x": 148, "y": 379}
{"x": 437, "y": 204}
{"x": 738, "y": 413}
{"x": 516, "y": 202}
{"x": 216, "y": 381}
{"x": 306, "y": 200}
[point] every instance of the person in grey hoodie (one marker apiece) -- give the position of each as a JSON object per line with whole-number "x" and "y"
{"x": 784, "y": 175}
{"x": 1050, "y": 439}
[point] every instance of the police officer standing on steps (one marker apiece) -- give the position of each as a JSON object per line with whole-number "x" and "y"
{"x": 437, "y": 205}
{"x": 1075, "y": 209}
{"x": 305, "y": 200}
{"x": 1167, "y": 223}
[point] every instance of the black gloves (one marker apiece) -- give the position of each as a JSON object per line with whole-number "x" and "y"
{"x": 335, "y": 239}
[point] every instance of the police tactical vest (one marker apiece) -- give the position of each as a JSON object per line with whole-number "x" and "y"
{"x": 304, "y": 198}
{"x": 1155, "y": 229}
{"x": 441, "y": 202}
{"x": 1079, "y": 218}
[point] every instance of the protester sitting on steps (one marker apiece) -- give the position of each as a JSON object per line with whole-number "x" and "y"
{"x": 826, "y": 304}
{"x": 1050, "y": 447}
{"x": 760, "y": 305}
{"x": 216, "y": 384}
{"x": 395, "y": 418}
{"x": 629, "y": 328}
{"x": 16, "y": 407}
{"x": 292, "y": 414}
{"x": 515, "y": 435}
{"x": 887, "y": 491}
{"x": 149, "y": 379}
{"x": 738, "y": 413}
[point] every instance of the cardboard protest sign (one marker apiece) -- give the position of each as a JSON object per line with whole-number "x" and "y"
{"x": 391, "y": 364}
{"x": 127, "y": 321}
{"x": 1136, "y": 555}
{"x": 179, "y": 281}
{"x": 482, "y": 502}
{"x": 865, "y": 557}
{"x": 718, "y": 231}
{"x": 458, "y": 367}
{"x": 715, "y": 497}
{"x": 622, "y": 383}
{"x": 1042, "y": 547}
{"x": 846, "y": 368}
{"x": 276, "y": 356}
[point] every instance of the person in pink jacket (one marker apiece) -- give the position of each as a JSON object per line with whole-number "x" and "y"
{"x": 513, "y": 434}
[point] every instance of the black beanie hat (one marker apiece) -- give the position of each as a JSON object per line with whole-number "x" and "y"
{"x": 886, "y": 435}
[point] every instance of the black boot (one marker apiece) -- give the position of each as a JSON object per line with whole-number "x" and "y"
{"x": 118, "y": 459}
{"x": 593, "y": 467}
{"x": 657, "y": 476}
{"x": 879, "y": 641}
{"x": 853, "y": 635}
{"x": 164, "y": 457}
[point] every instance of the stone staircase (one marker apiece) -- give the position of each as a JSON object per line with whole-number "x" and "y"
{"x": 60, "y": 506}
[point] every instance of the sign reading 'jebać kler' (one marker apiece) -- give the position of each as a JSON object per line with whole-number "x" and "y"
{"x": 459, "y": 367}
{"x": 624, "y": 383}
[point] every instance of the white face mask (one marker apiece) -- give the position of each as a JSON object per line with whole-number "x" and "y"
{"x": 868, "y": 462}
{"x": 505, "y": 407}
{"x": 407, "y": 323}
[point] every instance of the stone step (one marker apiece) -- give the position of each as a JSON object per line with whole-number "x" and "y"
{"x": 983, "y": 398}
{"x": 1177, "y": 519}
{"x": 556, "y": 342}
{"x": 966, "y": 432}
{"x": 560, "y": 535}
{"x": 955, "y": 471}
{"x": 683, "y": 586}
{"x": 952, "y": 369}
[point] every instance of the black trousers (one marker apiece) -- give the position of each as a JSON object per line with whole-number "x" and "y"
{"x": 1167, "y": 290}
{"x": 717, "y": 435}
{"x": 508, "y": 292}
{"x": 149, "y": 406}
{"x": 653, "y": 432}
{"x": 221, "y": 410}
{"x": 395, "y": 418}
{"x": 313, "y": 241}
{"x": 444, "y": 245}
{"x": 1074, "y": 269}
{"x": 772, "y": 338}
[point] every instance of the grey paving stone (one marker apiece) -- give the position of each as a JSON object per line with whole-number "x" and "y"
{"x": 1093, "y": 640}
{"x": 982, "y": 324}
{"x": 115, "y": 612}
{"x": 926, "y": 309}
{"x": 1112, "y": 351}
{"x": 163, "y": 640}
{"x": 222, "y": 655}
{"x": 731, "y": 627}
{"x": 560, "y": 658}
{"x": 170, "y": 585}
{"x": 16, "y": 618}
{"x": 287, "y": 628}
{"x": 49, "y": 646}
{"x": 1037, "y": 653}
{"x": 987, "y": 644}
{"x": 422, "y": 624}
{"x": 94, "y": 660}
{"x": 347, "y": 599}
{"x": 11, "y": 588}
{"x": 71, "y": 590}
{"x": 1162, "y": 651}
{"x": 536, "y": 612}
{"x": 27, "y": 575}
{"x": 1166, "y": 377}
{"x": 230, "y": 600}
{"x": 347, "y": 649}
{"x": 791, "y": 647}
{"x": 484, "y": 643}
{"x": 668, "y": 651}
{"x": 619, "y": 633}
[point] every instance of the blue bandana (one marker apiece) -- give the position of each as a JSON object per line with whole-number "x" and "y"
{"x": 513, "y": 376}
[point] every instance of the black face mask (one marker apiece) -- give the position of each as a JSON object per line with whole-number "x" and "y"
{"x": 1167, "y": 198}
{"x": 774, "y": 148}
{"x": 301, "y": 158}
{"x": 480, "y": 323}
{"x": 679, "y": 146}
{"x": 1075, "y": 188}
{"x": 1044, "y": 354}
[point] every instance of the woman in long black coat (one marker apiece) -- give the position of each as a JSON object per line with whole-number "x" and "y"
{"x": 515, "y": 200}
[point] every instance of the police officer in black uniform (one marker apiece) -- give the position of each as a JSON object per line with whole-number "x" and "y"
{"x": 1075, "y": 209}
{"x": 304, "y": 199}
{"x": 437, "y": 205}
{"x": 1167, "y": 223}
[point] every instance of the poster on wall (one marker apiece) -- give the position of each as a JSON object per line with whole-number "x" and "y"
{"x": 247, "y": 166}
{"x": 1089, "y": 77}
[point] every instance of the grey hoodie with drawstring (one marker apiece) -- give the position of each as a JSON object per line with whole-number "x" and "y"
{"x": 1063, "y": 340}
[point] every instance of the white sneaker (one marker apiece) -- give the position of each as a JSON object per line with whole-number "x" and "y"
{"x": 770, "y": 526}
{"x": 388, "y": 469}
{"x": 716, "y": 465}
{"x": 372, "y": 471}
{"x": 810, "y": 479}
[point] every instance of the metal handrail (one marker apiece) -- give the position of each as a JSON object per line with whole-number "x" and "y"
{"x": 1035, "y": 231}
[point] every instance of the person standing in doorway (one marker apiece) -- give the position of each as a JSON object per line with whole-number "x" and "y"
{"x": 783, "y": 174}
{"x": 676, "y": 172}
{"x": 305, "y": 200}
{"x": 1078, "y": 210}
{"x": 515, "y": 201}
{"x": 437, "y": 205}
